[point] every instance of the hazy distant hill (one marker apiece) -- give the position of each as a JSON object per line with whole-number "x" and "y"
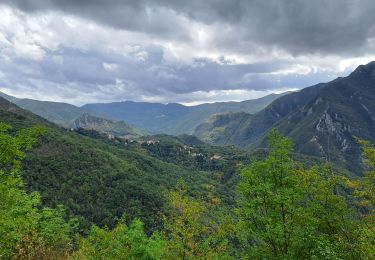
{"x": 153, "y": 117}
{"x": 173, "y": 118}
{"x": 60, "y": 113}
{"x": 70, "y": 116}
{"x": 321, "y": 119}
{"x": 202, "y": 112}
{"x": 218, "y": 128}
{"x": 252, "y": 127}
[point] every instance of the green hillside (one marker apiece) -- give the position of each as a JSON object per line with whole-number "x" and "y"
{"x": 218, "y": 128}
{"x": 97, "y": 180}
{"x": 59, "y": 113}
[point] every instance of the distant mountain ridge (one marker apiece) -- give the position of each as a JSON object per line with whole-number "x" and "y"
{"x": 173, "y": 118}
{"x": 62, "y": 114}
{"x": 322, "y": 120}
{"x": 202, "y": 112}
{"x": 170, "y": 118}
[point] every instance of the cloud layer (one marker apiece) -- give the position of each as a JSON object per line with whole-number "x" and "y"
{"x": 178, "y": 51}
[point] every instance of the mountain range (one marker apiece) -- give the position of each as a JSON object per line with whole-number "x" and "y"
{"x": 173, "y": 118}
{"x": 150, "y": 117}
{"x": 322, "y": 120}
{"x": 98, "y": 175}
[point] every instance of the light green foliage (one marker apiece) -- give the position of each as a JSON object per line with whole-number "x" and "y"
{"x": 192, "y": 229}
{"x": 288, "y": 212}
{"x": 25, "y": 231}
{"x": 363, "y": 191}
{"x": 122, "y": 242}
{"x": 327, "y": 221}
{"x": 269, "y": 201}
{"x": 12, "y": 148}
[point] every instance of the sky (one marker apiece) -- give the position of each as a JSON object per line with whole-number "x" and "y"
{"x": 190, "y": 52}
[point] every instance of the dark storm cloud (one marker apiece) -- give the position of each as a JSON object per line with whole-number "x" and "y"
{"x": 113, "y": 77}
{"x": 297, "y": 26}
{"x": 137, "y": 15}
{"x": 181, "y": 51}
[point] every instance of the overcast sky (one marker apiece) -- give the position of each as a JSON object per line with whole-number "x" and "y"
{"x": 84, "y": 51}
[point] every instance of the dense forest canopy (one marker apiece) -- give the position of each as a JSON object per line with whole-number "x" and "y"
{"x": 283, "y": 210}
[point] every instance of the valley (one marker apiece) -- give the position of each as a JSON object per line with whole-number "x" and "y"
{"x": 187, "y": 130}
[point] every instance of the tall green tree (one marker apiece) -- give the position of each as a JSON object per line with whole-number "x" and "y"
{"x": 268, "y": 204}
{"x": 288, "y": 212}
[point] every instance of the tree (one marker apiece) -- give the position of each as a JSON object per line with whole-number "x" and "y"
{"x": 289, "y": 212}
{"x": 122, "y": 242}
{"x": 363, "y": 191}
{"x": 192, "y": 229}
{"x": 25, "y": 230}
{"x": 268, "y": 203}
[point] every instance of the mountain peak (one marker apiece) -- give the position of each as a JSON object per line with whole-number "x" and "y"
{"x": 368, "y": 69}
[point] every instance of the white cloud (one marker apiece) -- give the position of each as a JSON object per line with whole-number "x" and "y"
{"x": 57, "y": 56}
{"x": 110, "y": 66}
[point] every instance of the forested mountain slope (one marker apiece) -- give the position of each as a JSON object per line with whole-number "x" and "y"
{"x": 59, "y": 113}
{"x": 203, "y": 112}
{"x": 218, "y": 128}
{"x": 96, "y": 179}
{"x": 322, "y": 120}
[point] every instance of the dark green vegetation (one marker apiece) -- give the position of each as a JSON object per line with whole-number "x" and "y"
{"x": 322, "y": 120}
{"x": 283, "y": 211}
{"x": 98, "y": 179}
{"x": 27, "y": 231}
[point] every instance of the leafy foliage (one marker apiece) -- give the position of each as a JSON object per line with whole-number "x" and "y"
{"x": 192, "y": 229}
{"x": 25, "y": 230}
{"x": 122, "y": 242}
{"x": 363, "y": 191}
{"x": 290, "y": 212}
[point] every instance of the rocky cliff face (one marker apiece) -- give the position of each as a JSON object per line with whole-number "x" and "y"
{"x": 111, "y": 127}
